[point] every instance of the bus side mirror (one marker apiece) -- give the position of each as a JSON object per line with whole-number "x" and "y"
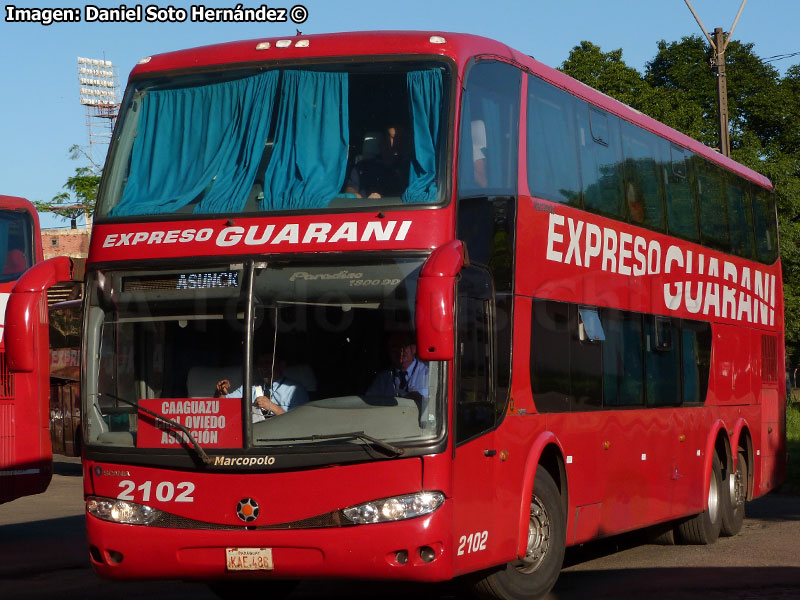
{"x": 435, "y": 303}
{"x": 27, "y": 305}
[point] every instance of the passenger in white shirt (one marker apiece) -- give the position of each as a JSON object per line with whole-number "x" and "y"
{"x": 273, "y": 393}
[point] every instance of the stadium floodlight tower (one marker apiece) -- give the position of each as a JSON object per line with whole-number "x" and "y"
{"x": 99, "y": 94}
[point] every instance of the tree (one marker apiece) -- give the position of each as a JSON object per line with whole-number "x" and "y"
{"x": 82, "y": 194}
{"x": 604, "y": 71}
{"x": 679, "y": 89}
{"x": 608, "y": 73}
{"x": 753, "y": 87}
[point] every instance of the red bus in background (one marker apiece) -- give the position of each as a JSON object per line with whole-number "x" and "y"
{"x": 595, "y": 300}
{"x": 26, "y": 464}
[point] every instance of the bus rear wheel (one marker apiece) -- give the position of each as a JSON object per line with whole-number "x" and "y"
{"x": 734, "y": 494}
{"x": 704, "y": 528}
{"x": 536, "y": 573}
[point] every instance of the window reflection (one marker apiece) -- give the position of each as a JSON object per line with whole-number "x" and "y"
{"x": 581, "y": 155}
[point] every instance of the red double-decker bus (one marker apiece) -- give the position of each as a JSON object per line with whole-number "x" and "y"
{"x": 412, "y": 306}
{"x": 26, "y": 460}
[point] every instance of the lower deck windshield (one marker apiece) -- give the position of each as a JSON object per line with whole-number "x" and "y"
{"x": 327, "y": 348}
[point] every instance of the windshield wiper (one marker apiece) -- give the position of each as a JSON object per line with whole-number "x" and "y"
{"x": 359, "y": 435}
{"x": 200, "y": 452}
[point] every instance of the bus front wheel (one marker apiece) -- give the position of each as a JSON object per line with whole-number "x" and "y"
{"x": 533, "y": 575}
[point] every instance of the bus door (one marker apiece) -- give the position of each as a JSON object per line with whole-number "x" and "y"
{"x": 474, "y": 419}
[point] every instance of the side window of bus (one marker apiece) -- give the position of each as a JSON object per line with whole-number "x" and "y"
{"x": 644, "y": 198}
{"x": 740, "y": 217}
{"x": 696, "y": 359}
{"x": 637, "y": 360}
{"x": 662, "y": 361}
{"x": 622, "y": 359}
{"x": 553, "y": 171}
{"x": 601, "y": 160}
{"x": 566, "y": 370}
{"x": 681, "y": 203}
{"x": 475, "y": 407}
{"x": 489, "y": 130}
{"x": 586, "y": 358}
{"x": 765, "y": 226}
{"x": 711, "y": 201}
{"x": 550, "y": 377}
{"x": 488, "y": 171}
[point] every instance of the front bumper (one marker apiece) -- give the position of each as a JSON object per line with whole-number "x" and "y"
{"x": 373, "y": 551}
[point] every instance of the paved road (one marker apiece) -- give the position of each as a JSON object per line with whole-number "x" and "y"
{"x": 43, "y": 553}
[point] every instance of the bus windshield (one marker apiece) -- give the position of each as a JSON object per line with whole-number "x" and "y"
{"x": 302, "y": 137}
{"x": 327, "y": 346}
{"x": 16, "y": 245}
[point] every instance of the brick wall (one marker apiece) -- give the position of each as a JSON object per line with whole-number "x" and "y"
{"x": 65, "y": 242}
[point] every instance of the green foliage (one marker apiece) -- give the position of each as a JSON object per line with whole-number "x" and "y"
{"x": 81, "y": 196}
{"x": 604, "y": 71}
{"x": 679, "y": 88}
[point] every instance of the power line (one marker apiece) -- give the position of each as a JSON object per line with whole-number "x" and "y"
{"x": 780, "y": 56}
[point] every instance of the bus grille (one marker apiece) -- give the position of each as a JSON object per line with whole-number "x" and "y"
{"x": 769, "y": 359}
{"x": 6, "y": 379}
{"x": 331, "y": 519}
{"x": 7, "y": 456}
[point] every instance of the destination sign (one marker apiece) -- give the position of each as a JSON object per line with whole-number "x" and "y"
{"x": 182, "y": 281}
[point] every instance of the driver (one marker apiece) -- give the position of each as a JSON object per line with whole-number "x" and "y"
{"x": 407, "y": 375}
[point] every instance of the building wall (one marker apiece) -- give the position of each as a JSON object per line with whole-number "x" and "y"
{"x": 66, "y": 242}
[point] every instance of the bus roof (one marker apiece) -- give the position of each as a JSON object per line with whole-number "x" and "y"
{"x": 458, "y": 46}
{"x": 17, "y": 203}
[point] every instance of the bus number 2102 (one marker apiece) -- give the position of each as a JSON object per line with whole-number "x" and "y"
{"x": 164, "y": 491}
{"x": 474, "y": 542}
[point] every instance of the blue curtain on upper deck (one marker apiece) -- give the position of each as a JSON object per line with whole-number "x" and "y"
{"x": 309, "y": 160}
{"x": 199, "y": 140}
{"x": 425, "y": 98}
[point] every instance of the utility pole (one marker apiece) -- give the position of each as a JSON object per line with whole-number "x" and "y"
{"x": 719, "y": 43}
{"x": 722, "y": 91}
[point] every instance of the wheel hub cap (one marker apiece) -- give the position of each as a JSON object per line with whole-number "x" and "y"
{"x": 713, "y": 499}
{"x": 538, "y": 537}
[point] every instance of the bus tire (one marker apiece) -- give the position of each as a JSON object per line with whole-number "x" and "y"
{"x": 704, "y": 528}
{"x": 534, "y": 575}
{"x": 734, "y": 494}
{"x": 663, "y": 534}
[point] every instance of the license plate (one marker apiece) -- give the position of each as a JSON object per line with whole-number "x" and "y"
{"x": 248, "y": 559}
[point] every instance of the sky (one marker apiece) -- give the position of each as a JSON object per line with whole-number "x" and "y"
{"x": 41, "y": 117}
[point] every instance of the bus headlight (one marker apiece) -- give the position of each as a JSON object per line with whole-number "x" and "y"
{"x": 396, "y": 508}
{"x": 120, "y": 511}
